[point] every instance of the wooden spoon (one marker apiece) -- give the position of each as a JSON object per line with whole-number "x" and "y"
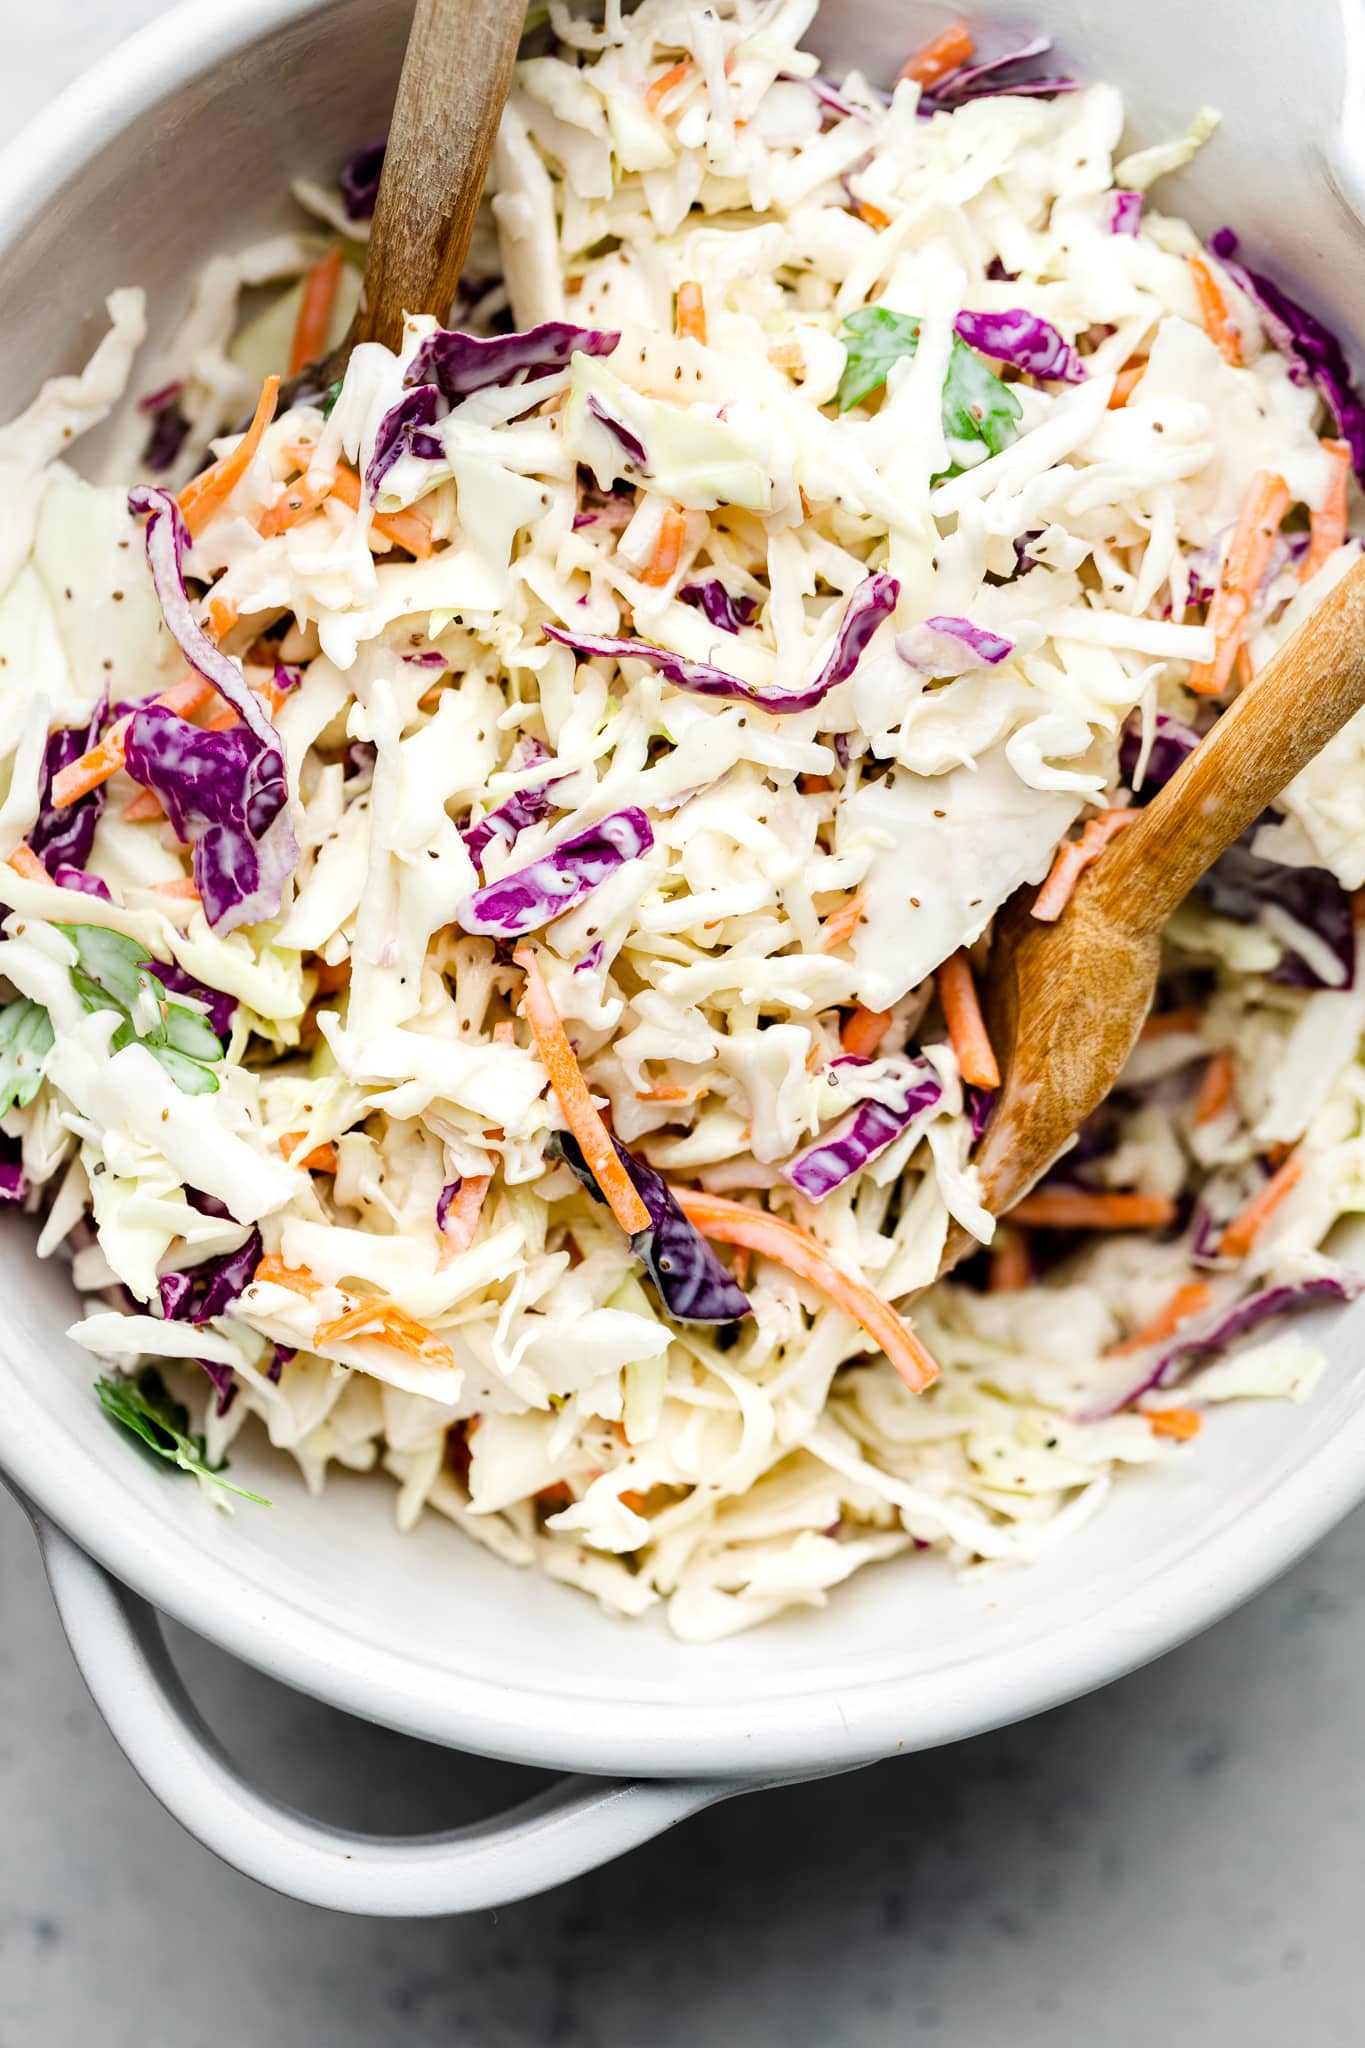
{"x": 455, "y": 80}
{"x": 1065, "y": 1002}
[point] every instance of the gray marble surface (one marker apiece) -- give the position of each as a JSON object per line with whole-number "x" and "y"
{"x": 1177, "y": 1859}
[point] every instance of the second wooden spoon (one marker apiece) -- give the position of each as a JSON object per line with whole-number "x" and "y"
{"x": 1065, "y": 1002}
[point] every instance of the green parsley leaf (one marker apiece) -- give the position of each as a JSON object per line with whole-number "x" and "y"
{"x": 114, "y": 973}
{"x": 976, "y": 405}
{"x": 145, "y": 1407}
{"x": 25, "y": 1042}
{"x": 330, "y": 398}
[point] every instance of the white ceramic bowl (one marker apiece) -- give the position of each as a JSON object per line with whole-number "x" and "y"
{"x": 169, "y": 151}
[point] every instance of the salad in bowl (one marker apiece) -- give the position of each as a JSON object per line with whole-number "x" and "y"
{"x": 499, "y": 855}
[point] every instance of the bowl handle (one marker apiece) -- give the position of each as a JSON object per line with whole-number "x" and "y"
{"x": 577, "y": 1824}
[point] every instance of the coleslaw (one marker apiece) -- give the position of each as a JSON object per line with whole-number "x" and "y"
{"x": 498, "y": 858}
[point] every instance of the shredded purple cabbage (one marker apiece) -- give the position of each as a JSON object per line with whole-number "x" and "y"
{"x": 152, "y": 402}
{"x": 226, "y": 794}
{"x": 223, "y": 1378}
{"x": 1125, "y": 212}
{"x": 200, "y": 1293}
{"x": 980, "y": 81}
{"x": 858, "y": 1137}
{"x": 872, "y": 601}
{"x": 632, "y": 446}
{"x": 690, "y": 1280}
{"x": 283, "y": 1355}
{"x": 591, "y": 960}
{"x": 724, "y": 610}
{"x": 166, "y": 439}
{"x": 13, "y": 1184}
{"x": 1025, "y": 560}
{"x": 1239, "y": 886}
{"x": 979, "y": 1104}
{"x": 1308, "y": 343}
{"x": 63, "y": 838}
{"x": 946, "y": 645}
{"x": 1023, "y": 340}
{"x": 77, "y": 878}
{"x": 532, "y": 896}
{"x": 402, "y": 431}
{"x": 459, "y": 364}
{"x": 168, "y": 542}
{"x": 445, "y": 1198}
{"x": 359, "y": 180}
{"x": 1284, "y": 1298}
{"x": 524, "y": 807}
{"x": 1206, "y": 1336}
{"x": 1173, "y": 743}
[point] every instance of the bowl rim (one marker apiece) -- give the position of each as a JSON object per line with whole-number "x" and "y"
{"x": 809, "y": 1730}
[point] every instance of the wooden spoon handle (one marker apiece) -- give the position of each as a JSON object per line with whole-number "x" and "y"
{"x": 455, "y": 80}
{"x": 1301, "y": 699}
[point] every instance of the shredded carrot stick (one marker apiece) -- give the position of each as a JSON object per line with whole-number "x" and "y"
{"x": 181, "y": 890}
{"x": 575, "y": 1100}
{"x": 690, "y": 317}
{"x": 841, "y": 924}
{"x": 728, "y": 1222}
{"x": 321, "y": 1159}
{"x": 1180, "y": 1423}
{"x": 662, "y": 565}
{"x": 1125, "y": 384}
{"x": 873, "y": 215}
{"x": 296, "y": 504}
{"x": 813, "y": 785}
{"x": 371, "y": 1316}
{"x": 1247, "y": 1225}
{"x": 666, "y": 1091}
{"x": 315, "y": 312}
{"x": 1244, "y": 675}
{"x": 558, "y": 1494}
{"x": 105, "y": 759}
{"x": 462, "y": 1217}
{"x": 1327, "y": 528}
{"x": 330, "y": 979}
{"x": 667, "y": 82}
{"x": 966, "y": 1025}
{"x": 1266, "y": 502}
{"x": 1073, "y": 859}
{"x": 1097, "y": 1209}
{"x": 1011, "y": 1264}
{"x": 203, "y": 495}
{"x": 273, "y": 1272}
{"x": 408, "y": 529}
{"x": 146, "y": 804}
{"x": 1187, "y": 1301}
{"x": 1215, "y": 1090}
{"x": 741, "y": 1264}
{"x": 1213, "y": 311}
{"x": 505, "y": 1033}
{"x": 863, "y": 1030}
{"x": 946, "y": 52}
{"x": 25, "y": 862}
{"x": 1171, "y": 1024}
{"x": 223, "y": 616}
